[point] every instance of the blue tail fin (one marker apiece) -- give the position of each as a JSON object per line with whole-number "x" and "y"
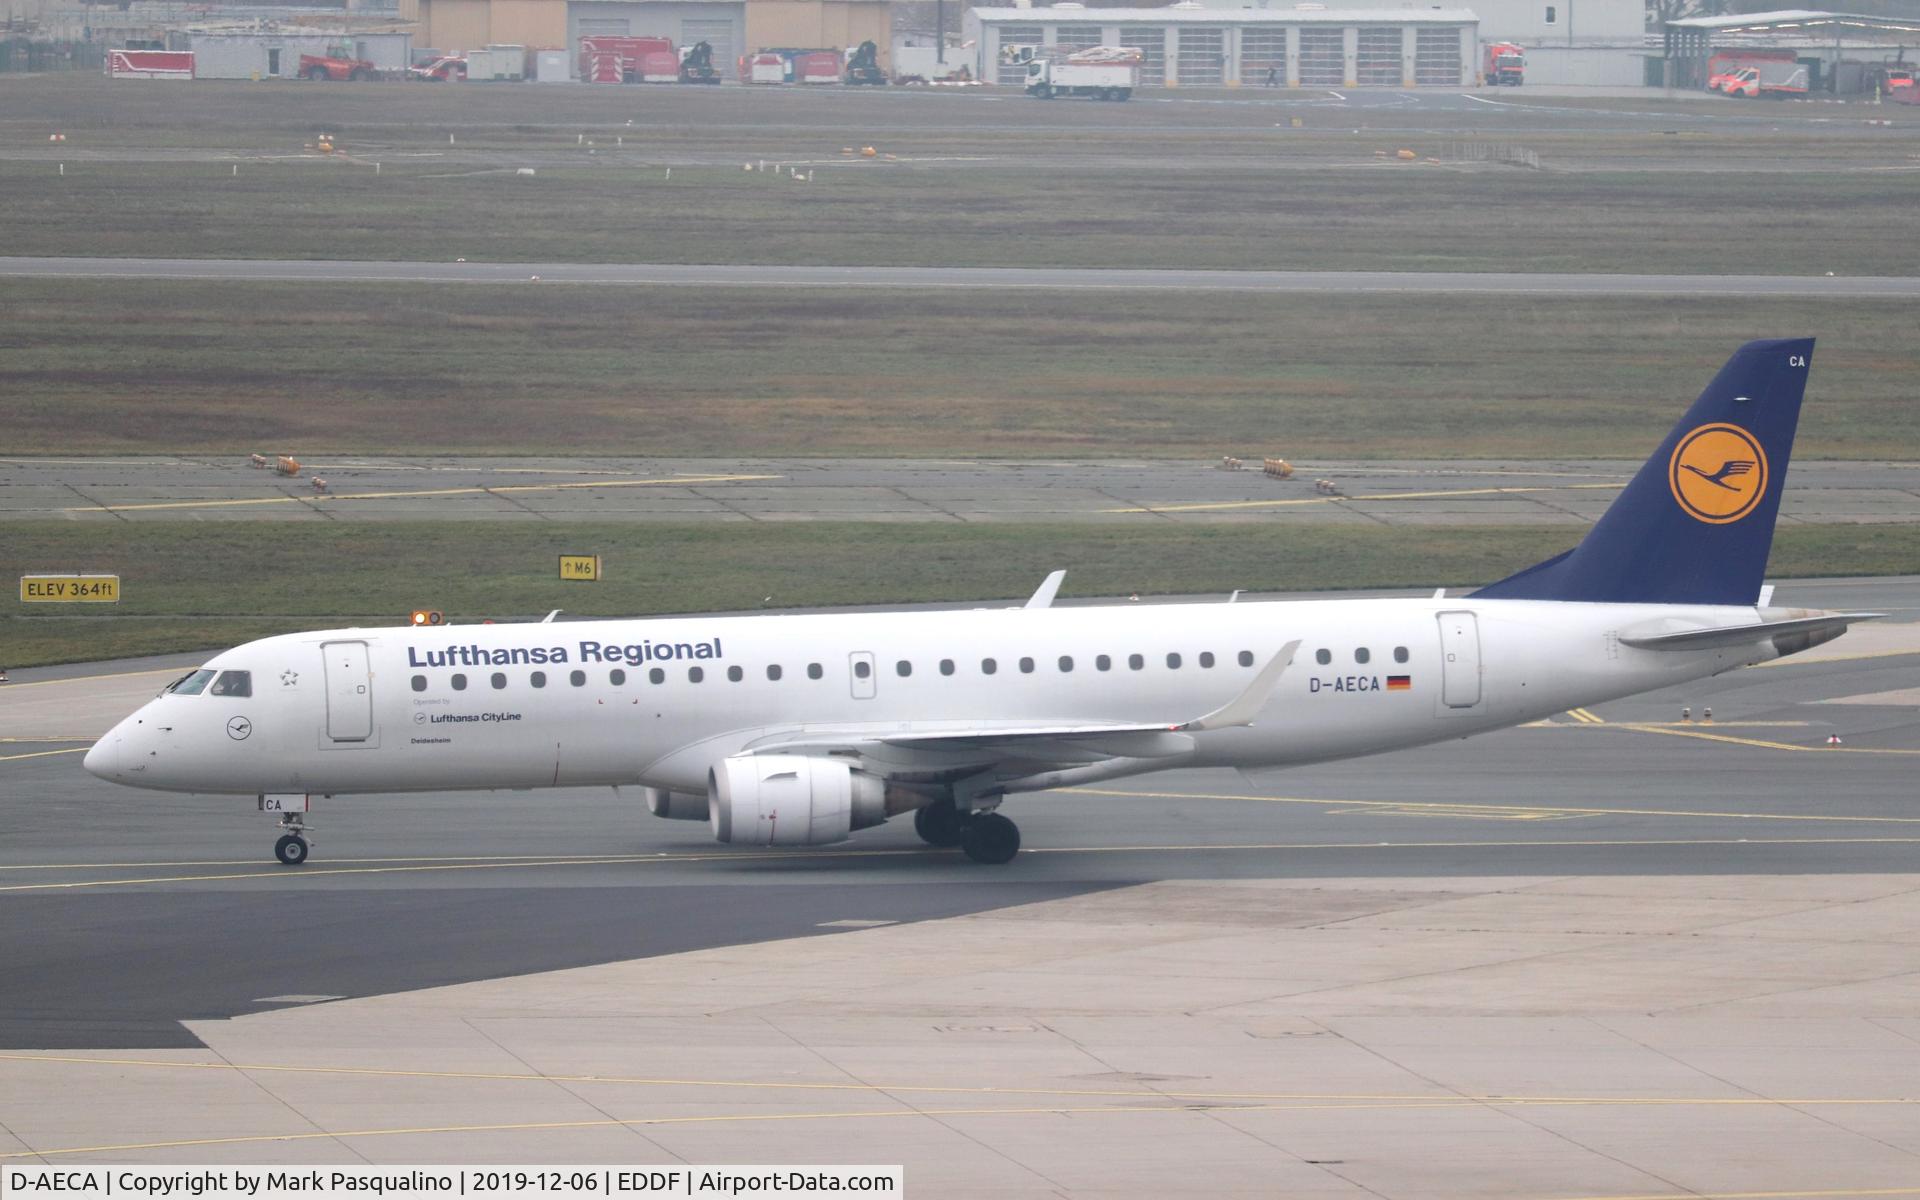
{"x": 1696, "y": 524}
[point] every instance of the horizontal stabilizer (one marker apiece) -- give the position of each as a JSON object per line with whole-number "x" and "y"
{"x": 1810, "y": 628}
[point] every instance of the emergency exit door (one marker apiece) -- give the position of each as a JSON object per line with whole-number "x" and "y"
{"x": 349, "y": 692}
{"x": 1459, "y": 659}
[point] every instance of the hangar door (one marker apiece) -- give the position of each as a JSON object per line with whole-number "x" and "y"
{"x": 1323, "y": 56}
{"x": 1459, "y": 659}
{"x": 1015, "y": 74}
{"x": 1203, "y": 57}
{"x": 1263, "y": 48}
{"x": 1077, "y": 37}
{"x": 1436, "y": 56}
{"x": 1151, "y": 41}
{"x": 718, "y": 34}
{"x": 603, "y": 26}
{"x": 1379, "y": 61}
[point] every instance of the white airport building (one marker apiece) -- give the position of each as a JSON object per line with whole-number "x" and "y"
{"x": 1334, "y": 43}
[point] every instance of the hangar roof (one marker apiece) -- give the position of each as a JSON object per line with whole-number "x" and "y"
{"x": 1787, "y": 20}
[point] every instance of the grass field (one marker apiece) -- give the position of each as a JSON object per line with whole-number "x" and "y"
{"x": 975, "y": 180}
{"x": 186, "y": 584}
{"x": 97, "y": 367}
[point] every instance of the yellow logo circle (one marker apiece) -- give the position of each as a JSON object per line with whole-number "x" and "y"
{"x": 1718, "y": 473}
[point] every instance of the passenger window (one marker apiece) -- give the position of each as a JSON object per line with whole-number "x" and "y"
{"x": 1066, "y": 663}
{"x": 498, "y": 681}
{"x": 903, "y": 668}
{"x": 735, "y": 674}
{"x": 695, "y": 674}
{"x": 862, "y": 669}
{"x": 233, "y": 683}
{"x": 1026, "y": 666}
{"x": 419, "y": 684}
{"x": 538, "y": 679}
{"x": 1246, "y": 658}
{"x": 459, "y": 683}
{"x": 1173, "y": 662}
{"x": 194, "y": 682}
{"x": 946, "y": 666}
{"x": 1362, "y": 655}
{"x": 1323, "y": 657}
{"x": 616, "y": 677}
{"x": 1135, "y": 662}
{"x": 578, "y": 679}
{"x": 773, "y": 672}
{"x": 1206, "y": 658}
{"x": 656, "y": 676}
{"x": 1103, "y": 663}
{"x": 814, "y": 671}
{"x": 988, "y": 666}
{"x": 1399, "y": 654}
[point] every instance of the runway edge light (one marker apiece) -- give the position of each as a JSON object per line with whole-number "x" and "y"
{"x": 427, "y": 616}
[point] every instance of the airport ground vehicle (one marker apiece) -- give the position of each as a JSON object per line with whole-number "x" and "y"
{"x": 863, "y": 65}
{"x": 446, "y": 67}
{"x": 1769, "y": 80}
{"x": 1504, "y": 64}
{"x": 606, "y": 58}
{"x": 329, "y": 67}
{"x": 1726, "y": 64}
{"x": 696, "y": 64}
{"x": 1098, "y": 72}
{"x": 797, "y": 729}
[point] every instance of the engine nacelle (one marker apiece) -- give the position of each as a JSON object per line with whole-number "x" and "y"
{"x": 791, "y": 800}
{"x": 676, "y": 806}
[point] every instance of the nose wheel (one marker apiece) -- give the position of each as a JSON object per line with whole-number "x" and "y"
{"x": 292, "y": 847}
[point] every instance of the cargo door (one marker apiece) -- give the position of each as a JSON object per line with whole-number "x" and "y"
{"x": 349, "y": 692}
{"x": 861, "y": 674}
{"x": 1459, "y": 659}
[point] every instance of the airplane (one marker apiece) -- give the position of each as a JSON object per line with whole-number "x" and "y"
{"x": 796, "y": 730}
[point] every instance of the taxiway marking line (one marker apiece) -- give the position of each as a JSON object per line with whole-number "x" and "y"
{"x": 1525, "y": 808}
{"x": 1299, "y": 500}
{"x": 1760, "y": 742}
{"x": 1316, "y": 1098}
{"x": 1791, "y": 661}
{"x": 49, "y": 739}
{"x": 296, "y": 874}
{"x": 44, "y": 753}
{"x": 1584, "y": 716}
{"x": 323, "y": 497}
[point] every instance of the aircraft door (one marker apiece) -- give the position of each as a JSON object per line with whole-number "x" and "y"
{"x": 349, "y": 692}
{"x": 860, "y": 673}
{"x": 1459, "y": 659}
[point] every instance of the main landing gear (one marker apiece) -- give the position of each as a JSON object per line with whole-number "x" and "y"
{"x": 985, "y": 837}
{"x": 292, "y": 847}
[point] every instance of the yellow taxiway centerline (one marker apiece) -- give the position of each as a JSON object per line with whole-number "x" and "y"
{"x": 44, "y": 753}
{"x": 327, "y": 497}
{"x": 1524, "y": 808}
{"x": 1224, "y": 505}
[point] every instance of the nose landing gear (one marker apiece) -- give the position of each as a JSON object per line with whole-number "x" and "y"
{"x": 292, "y": 847}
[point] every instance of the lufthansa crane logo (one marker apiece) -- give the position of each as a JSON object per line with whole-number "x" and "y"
{"x": 1718, "y": 473}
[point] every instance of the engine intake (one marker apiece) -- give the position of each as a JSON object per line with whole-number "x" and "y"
{"x": 791, "y": 800}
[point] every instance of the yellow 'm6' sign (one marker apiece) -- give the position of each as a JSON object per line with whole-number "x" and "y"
{"x": 581, "y": 567}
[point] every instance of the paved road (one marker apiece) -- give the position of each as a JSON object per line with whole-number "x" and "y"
{"x": 174, "y": 901}
{"x": 923, "y": 278}
{"x": 1435, "y": 492}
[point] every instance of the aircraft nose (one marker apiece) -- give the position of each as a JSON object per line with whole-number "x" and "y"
{"x": 104, "y": 759}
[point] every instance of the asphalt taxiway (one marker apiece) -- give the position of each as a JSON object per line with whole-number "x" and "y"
{"x": 1607, "y": 954}
{"x": 1441, "y": 283}
{"x": 1449, "y": 492}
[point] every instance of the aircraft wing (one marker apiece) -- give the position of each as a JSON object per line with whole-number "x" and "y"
{"x": 1064, "y": 741}
{"x": 1830, "y": 624}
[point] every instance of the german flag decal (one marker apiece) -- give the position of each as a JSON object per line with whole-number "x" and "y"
{"x": 1399, "y": 683}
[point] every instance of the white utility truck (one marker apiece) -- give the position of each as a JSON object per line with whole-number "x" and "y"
{"x": 1098, "y": 73}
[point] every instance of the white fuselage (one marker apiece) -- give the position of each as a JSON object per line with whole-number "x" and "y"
{"x": 577, "y": 703}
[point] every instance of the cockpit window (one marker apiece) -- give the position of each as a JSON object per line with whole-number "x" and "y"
{"x": 192, "y": 684}
{"x": 233, "y": 683}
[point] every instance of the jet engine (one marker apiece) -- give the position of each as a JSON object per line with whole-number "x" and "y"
{"x": 676, "y": 806}
{"x": 791, "y": 800}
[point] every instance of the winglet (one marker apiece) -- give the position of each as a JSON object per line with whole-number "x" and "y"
{"x": 1243, "y": 708}
{"x": 1043, "y": 595}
